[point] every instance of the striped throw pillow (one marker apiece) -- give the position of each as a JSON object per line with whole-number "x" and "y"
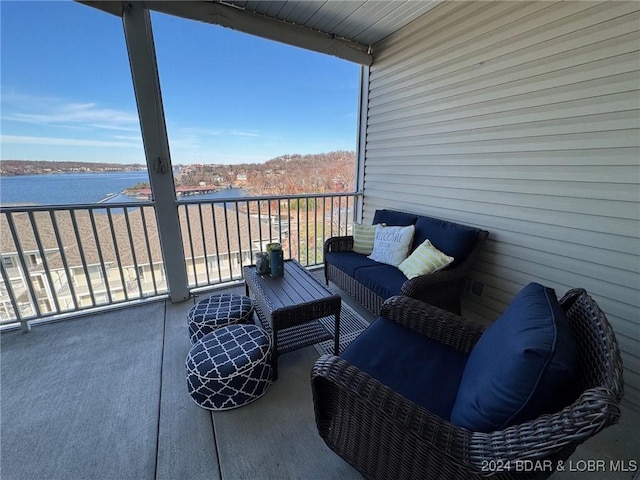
{"x": 363, "y": 236}
{"x": 424, "y": 260}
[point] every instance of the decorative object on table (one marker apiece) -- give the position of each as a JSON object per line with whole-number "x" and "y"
{"x": 230, "y": 367}
{"x": 218, "y": 311}
{"x": 271, "y": 246}
{"x": 262, "y": 263}
{"x": 276, "y": 261}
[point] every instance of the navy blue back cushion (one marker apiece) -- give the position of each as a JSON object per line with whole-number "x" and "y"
{"x": 349, "y": 262}
{"x": 424, "y": 371}
{"x": 523, "y": 366}
{"x": 394, "y": 218}
{"x": 384, "y": 280}
{"x": 453, "y": 239}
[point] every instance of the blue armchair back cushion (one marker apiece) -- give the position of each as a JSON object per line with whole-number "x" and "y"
{"x": 523, "y": 366}
{"x": 420, "y": 369}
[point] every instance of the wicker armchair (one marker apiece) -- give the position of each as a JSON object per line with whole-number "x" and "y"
{"x": 385, "y": 436}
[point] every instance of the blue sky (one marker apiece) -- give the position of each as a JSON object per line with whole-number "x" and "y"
{"x": 66, "y": 90}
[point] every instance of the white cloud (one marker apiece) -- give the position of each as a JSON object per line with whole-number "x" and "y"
{"x": 131, "y": 138}
{"x": 212, "y": 132}
{"x": 60, "y": 113}
{"x": 68, "y": 142}
{"x": 238, "y": 133}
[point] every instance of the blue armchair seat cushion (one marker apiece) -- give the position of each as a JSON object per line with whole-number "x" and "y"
{"x": 524, "y": 365}
{"x": 422, "y": 370}
{"x": 350, "y": 262}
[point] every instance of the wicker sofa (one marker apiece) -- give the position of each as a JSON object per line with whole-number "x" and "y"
{"x": 386, "y": 435}
{"x": 371, "y": 283}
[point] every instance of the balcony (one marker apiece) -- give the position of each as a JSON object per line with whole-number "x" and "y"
{"x": 520, "y": 118}
{"x": 60, "y": 261}
{"x": 104, "y": 396}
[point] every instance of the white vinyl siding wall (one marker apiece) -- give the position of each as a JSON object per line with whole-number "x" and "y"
{"x": 521, "y": 118}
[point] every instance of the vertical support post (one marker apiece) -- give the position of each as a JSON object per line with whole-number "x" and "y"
{"x": 146, "y": 84}
{"x": 363, "y": 108}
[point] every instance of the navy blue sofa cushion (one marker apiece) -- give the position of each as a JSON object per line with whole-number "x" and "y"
{"x": 394, "y": 218}
{"x": 453, "y": 239}
{"x": 523, "y": 366}
{"x": 384, "y": 280}
{"x": 349, "y": 262}
{"x": 420, "y": 369}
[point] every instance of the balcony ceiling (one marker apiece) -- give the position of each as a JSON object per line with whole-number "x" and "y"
{"x": 363, "y": 22}
{"x": 348, "y": 29}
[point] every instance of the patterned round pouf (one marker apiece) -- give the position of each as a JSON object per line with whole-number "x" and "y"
{"x": 229, "y": 367}
{"x": 218, "y": 311}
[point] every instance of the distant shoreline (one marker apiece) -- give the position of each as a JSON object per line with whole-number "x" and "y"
{"x": 91, "y": 189}
{"x": 14, "y": 168}
{"x": 64, "y": 172}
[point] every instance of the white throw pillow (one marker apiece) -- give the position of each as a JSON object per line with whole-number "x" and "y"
{"x": 391, "y": 244}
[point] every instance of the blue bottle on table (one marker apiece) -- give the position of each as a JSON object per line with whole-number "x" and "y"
{"x": 276, "y": 261}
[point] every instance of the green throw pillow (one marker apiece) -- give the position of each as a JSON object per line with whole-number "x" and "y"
{"x": 424, "y": 260}
{"x": 363, "y": 236}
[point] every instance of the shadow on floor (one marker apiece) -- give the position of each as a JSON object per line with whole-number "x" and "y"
{"x": 105, "y": 396}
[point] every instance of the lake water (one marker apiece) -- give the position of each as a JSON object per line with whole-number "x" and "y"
{"x": 80, "y": 188}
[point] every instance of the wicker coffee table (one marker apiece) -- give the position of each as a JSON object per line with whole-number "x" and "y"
{"x": 289, "y": 308}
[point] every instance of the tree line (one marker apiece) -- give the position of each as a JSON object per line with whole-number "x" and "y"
{"x": 286, "y": 174}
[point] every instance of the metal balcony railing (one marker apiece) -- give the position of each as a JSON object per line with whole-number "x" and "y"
{"x": 65, "y": 259}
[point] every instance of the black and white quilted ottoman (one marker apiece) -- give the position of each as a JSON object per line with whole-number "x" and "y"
{"x": 218, "y": 311}
{"x": 229, "y": 367}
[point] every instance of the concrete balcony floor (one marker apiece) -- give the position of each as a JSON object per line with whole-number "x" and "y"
{"x": 105, "y": 397}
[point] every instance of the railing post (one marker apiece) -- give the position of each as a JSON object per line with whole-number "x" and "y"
{"x": 144, "y": 71}
{"x": 362, "y": 142}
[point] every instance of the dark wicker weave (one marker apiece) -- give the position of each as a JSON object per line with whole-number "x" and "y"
{"x": 442, "y": 289}
{"x": 288, "y": 308}
{"x": 385, "y": 436}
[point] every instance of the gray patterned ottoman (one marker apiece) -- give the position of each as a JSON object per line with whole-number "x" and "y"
{"x": 229, "y": 367}
{"x": 218, "y": 311}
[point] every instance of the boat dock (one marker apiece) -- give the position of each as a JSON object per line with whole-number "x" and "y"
{"x": 109, "y": 197}
{"x": 145, "y": 193}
